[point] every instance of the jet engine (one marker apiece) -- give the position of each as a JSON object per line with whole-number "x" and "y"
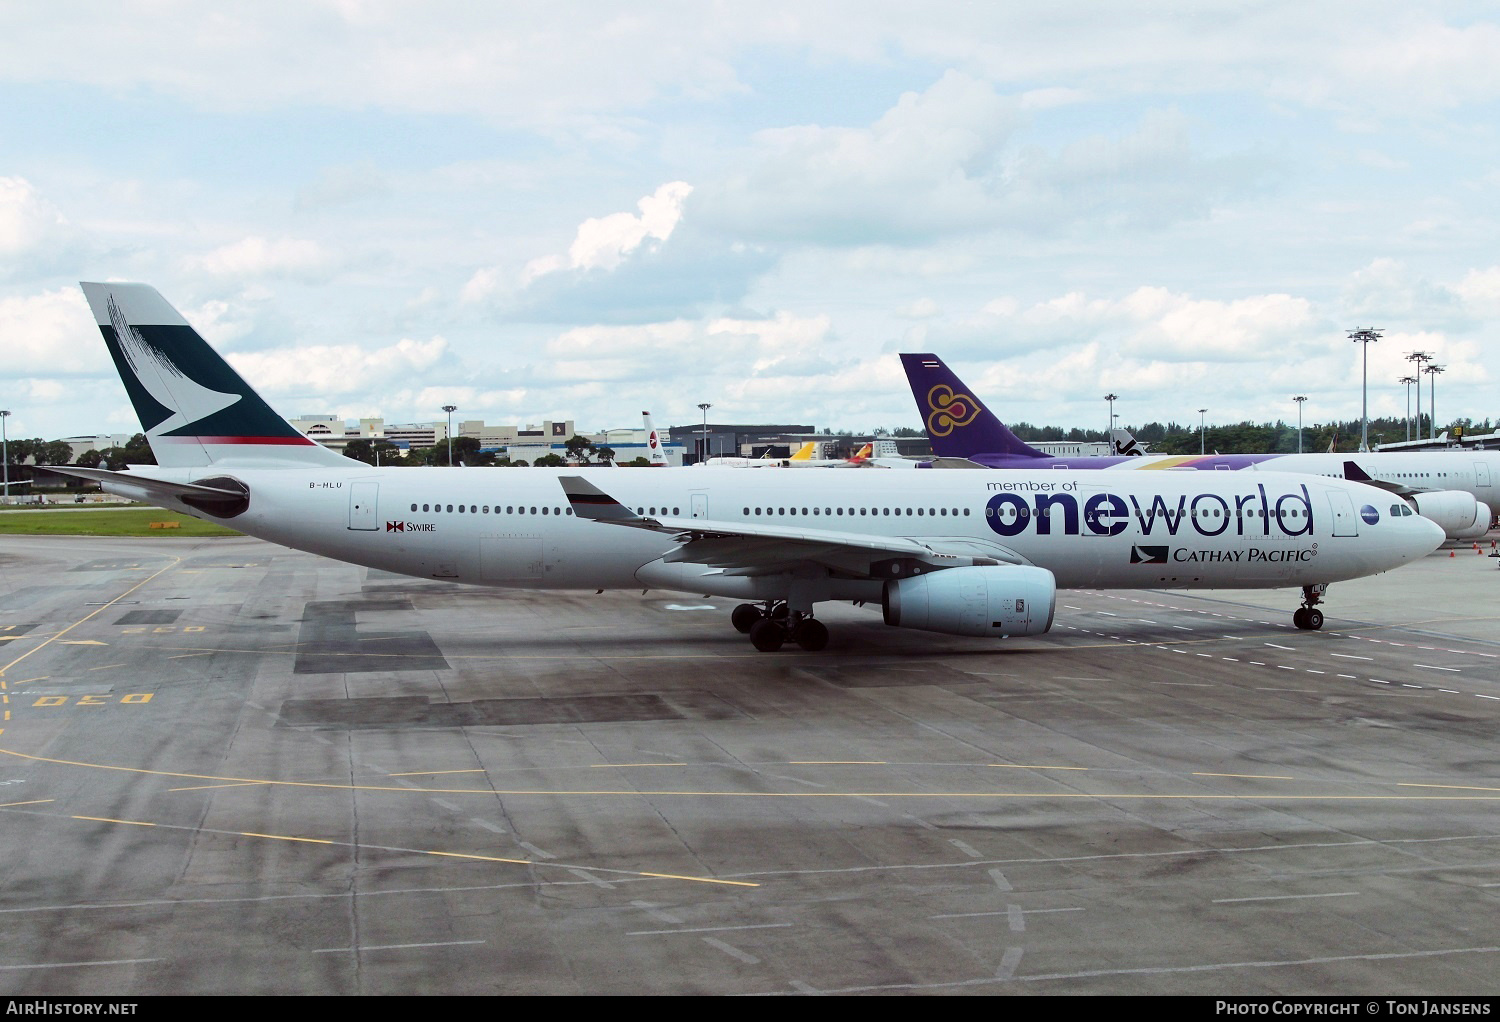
{"x": 993, "y": 601}
{"x": 1459, "y": 514}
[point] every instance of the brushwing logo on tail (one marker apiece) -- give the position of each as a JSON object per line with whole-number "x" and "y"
{"x": 947, "y": 411}
{"x": 163, "y": 380}
{"x": 1148, "y": 554}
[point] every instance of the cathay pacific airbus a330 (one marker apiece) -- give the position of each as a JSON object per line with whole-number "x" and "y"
{"x": 965, "y": 553}
{"x": 1459, "y": 490}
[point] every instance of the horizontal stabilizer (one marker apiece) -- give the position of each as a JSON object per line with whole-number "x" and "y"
{"x": 225, "y": 499}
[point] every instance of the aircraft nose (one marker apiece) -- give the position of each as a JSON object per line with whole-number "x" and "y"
{"x": 1425, "y": 535}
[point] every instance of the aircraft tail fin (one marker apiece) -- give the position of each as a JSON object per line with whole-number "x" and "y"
{"x": 805, "y": 453}
{"x": 958, "y": 426}
{"x": 1123, "y": 442}
{"x": 654, "y": 451}
{"x": 195, "y": 409}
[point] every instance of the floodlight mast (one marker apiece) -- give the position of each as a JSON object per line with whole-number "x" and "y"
{"x": 1409, "y": 380}
{"x": 1364, "y": 335}
{"x": 1419, "y": 357}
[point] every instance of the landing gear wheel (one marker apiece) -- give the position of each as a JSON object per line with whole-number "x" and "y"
{"x": 780, "y": 612}
{"x": 811, "y": 635}
{"x": 767, "y": 635}
{"x": 1308, "y": 617}
{"x": 744, "y": 617}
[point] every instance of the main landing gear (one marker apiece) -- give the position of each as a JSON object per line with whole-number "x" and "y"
{"x": 1308, "y": 617}
{"x": 775, "y": 624}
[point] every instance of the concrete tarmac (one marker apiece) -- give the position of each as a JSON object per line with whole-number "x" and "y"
{"x": 231, "y": 768}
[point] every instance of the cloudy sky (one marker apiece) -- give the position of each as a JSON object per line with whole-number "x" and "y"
{"x": 579, "y": 210}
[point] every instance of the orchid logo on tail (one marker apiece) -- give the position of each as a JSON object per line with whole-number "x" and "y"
{"x": 948, "y": 411}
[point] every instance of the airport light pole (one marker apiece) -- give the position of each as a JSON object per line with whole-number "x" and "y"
{"x": 1111, "y": 399}
{"x": 1202, "y": 431}
{"x": 1299, "y": 399}
{"x": 1409, "y": 380}
{"x": 1364, "y": 335}
{"x": 5, "y": 455}
{"x": 1432, "y": 370}
{"x": 450, "y": 409}
{"x": 704, "y": 407}
{"x": 1419, "y": 357}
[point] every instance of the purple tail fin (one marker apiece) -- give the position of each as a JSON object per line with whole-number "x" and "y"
{"x": 958, "y": 425}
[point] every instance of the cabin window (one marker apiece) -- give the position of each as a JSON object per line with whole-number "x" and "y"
{"x": 424, "y": 507}
{"x": 414, "y": 507}
{"x": 675, "y": 512}
{"x": 544, "y": 510}
{"x": 450, "y": 509}
{"x": 460, "y": 509}
{"x": 533, "y": 510}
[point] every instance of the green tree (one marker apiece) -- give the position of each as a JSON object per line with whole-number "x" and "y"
{"x": 138, "y": 451}
{"x": 580, "y": 449}
{"x": 550, "y": 461}
{"x": 53, "y": 452}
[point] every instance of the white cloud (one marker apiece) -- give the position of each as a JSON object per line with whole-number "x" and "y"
{"x": 604, "y": 242}
{"x": 257, "y": 256}
{"x": 27, "y": 220}
{"x": 52, "y": 332}
{"x": 925, "y": 168}
{"x": 333, "y": 370}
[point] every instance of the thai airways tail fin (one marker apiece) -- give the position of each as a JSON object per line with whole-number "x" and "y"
{"x": 195, "y": 409}
{"x": 654, "y": 451}
{"x": 958, "y": 426}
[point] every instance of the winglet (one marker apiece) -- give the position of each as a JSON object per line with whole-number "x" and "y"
{"x": 593, "y": 504}
{"x": 1353, "y": 471}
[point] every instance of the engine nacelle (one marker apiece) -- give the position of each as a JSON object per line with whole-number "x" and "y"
{"x": 992, "y": 601}
{"x": 1459, "y": 514}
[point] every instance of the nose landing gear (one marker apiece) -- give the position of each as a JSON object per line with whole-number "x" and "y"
{"x": 1308, "y": 617}
{"x": 773, "y": 626}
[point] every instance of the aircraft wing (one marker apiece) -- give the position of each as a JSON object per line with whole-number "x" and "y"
{"x": 154, "y": 491}
{"x": 750, "y": 548}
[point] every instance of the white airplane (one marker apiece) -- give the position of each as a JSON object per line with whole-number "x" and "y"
{"x": 963, "y": 553}
{"x": 803, "y": 455}
{"x": 802, "y": 459}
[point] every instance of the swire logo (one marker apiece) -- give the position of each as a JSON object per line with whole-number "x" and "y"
{"x": 410, "y": 527}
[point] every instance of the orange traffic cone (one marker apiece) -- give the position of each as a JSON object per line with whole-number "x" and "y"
{"x": 1450, "y": 553}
